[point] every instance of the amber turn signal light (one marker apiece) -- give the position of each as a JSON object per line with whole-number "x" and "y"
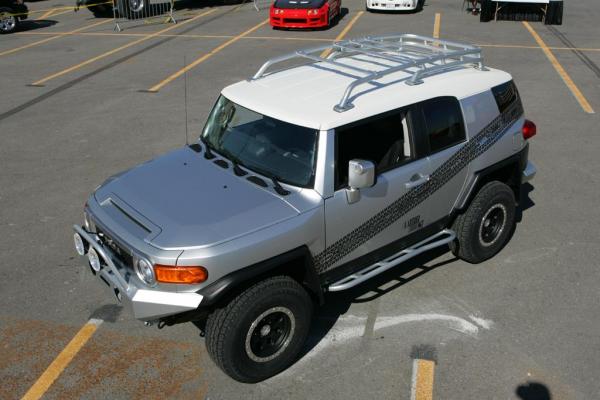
{"x": 175, "y": 274}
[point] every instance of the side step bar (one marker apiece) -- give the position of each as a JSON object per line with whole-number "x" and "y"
{"x": 439, "y": 239}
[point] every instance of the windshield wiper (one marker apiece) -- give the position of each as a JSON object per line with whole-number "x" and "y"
{"x": 208, "y": 152}
{"x": 277, "y": 186}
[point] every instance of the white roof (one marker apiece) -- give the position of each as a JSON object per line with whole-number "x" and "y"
{"x": 306, "y": 95}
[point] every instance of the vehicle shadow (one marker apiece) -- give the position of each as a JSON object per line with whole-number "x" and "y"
{"x": 338, "y": 303}
{"x": 533, "y": 391}
{"x": 525, "y": 202}
{"x": 32, "y": 25}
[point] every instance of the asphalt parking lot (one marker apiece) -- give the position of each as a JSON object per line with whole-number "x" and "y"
{"x": 82, "y": 102}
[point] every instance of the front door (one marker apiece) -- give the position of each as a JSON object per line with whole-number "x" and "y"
{"x": 361, "y": 233}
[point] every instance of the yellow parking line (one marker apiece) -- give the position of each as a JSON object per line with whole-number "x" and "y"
{"x": 111, "y": 52}
{"x": 6, "y": 52}
{"x": 422, "y": 380}
{"x": 62, "y": 12}
{"x": 436, "y": 25}
{"x": 45, "y": 15}
{"x": 343, "y": 33}
{"x": 203, "y": 58}
{"x": 561, "y": 71}
{"x": 62, "y": 360}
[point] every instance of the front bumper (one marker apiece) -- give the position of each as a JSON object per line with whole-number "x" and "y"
{"x": 298, "y": 18}
{"x": 146, "y": 304}
{"x": 397, "y": 5}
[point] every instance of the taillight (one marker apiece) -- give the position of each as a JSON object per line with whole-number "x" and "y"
{"x": 529, "y": 129}
{"x": 175, "y": 274}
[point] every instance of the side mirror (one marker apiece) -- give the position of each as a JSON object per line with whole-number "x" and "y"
{"x": 361, "y": 174}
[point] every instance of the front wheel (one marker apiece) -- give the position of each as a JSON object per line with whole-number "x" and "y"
{"x": 484, "y": 229}
{"x": 261, "y": 331}
{"x": 8, "y": 22}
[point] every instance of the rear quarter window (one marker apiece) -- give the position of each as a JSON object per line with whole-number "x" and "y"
{"x": 443, "y": 122}
{"x": 505, "y": 95}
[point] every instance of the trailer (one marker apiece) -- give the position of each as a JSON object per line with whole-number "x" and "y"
{"x": 548, "y": 11}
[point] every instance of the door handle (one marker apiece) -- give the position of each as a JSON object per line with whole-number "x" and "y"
{"x": 416, "y": 180}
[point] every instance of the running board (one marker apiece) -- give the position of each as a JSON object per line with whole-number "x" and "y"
{"x": 439, "y": 239}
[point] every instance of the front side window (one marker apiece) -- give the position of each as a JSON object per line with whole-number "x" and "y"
{"x": 444, "y": 123}
{"x": 384, "y": 140}
{"x": 268, "y": 146}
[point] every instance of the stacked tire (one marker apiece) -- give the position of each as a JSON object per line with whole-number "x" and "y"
{"x": 487, "y": 11}
{"x": 555, "y": 13}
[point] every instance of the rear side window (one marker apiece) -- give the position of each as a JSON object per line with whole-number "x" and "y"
{"x": 443, "y": 123}
{"x": 505, "y": 95}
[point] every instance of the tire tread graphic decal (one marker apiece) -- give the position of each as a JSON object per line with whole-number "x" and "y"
{"x": 450, "y": 168}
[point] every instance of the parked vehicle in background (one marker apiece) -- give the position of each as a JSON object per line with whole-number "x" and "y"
{"x": 302, "y": 14}
{"x": 12, "y": 12}
{"x": 310, "y": 179}
{"x": 394, "y": 5}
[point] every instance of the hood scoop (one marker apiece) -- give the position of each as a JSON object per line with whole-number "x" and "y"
{"x": 135, "y": 223}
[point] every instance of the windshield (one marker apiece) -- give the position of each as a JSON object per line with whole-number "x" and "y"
{"x": 270, "y": 147}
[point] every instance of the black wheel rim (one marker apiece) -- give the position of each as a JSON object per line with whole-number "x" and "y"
{"x": 270, "y": 334}
{"x": 492, "y": 224}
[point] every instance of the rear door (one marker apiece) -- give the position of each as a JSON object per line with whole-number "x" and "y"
{"x": 440, "y": 127}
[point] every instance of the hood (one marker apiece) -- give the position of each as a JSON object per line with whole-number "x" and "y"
{"x": 182, "y": 200}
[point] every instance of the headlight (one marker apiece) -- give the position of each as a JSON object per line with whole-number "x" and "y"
{"x": 88, "y": 223}
{"x": 145, "y": 271}
{"x": 277, "y": 11}
{"x": 94, "y": 260}
{"x": 313, "y": 12}
{"x": 80, "y": 246}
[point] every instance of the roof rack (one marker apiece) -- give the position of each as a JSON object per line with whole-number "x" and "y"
{"x": 417, "y": 55}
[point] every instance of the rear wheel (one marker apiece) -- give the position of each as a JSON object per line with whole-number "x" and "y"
{"x": 8, "y": 22}
{"x": 131, "y": 9}
{"x": 484, "y": 229}
{"x": 261, "y": 331}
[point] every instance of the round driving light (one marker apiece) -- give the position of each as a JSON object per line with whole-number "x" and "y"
{"x": 79, "y": 245}
{"x": 145, "y": 272}
{"x": 94, "y": 260}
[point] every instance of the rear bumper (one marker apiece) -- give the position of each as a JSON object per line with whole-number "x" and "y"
{"x": 529, "y": 172}
{"x": 145, "y": 304}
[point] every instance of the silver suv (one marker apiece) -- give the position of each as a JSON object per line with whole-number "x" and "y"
{"x": 309, "y": 179}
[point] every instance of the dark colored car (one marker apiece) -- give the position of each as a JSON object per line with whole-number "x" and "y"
{"x": 11, "y": 13}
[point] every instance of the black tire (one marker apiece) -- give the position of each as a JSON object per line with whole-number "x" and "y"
{"x": 237, "y": 333}
{"x": 132, "y": 9}
{"x": 102, "y": 10}
{"x": 555, "y": 13}
{"x": 487, "y": 11}
{"x": 420, "y": 5}
{"x": 485, "y": 227}
{"x": 8, "y": 22}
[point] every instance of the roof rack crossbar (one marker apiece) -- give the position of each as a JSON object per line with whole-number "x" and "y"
{"x": 417, "y": 55}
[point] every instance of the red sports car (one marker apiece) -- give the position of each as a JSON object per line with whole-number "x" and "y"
{"x": 304, "y": 13}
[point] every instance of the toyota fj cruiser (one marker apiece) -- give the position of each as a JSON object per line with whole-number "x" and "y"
{"x": 313, "y": 178}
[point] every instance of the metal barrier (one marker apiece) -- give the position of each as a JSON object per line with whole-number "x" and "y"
{"x": 262, "y": 4}
{"x": 127, "y": 12}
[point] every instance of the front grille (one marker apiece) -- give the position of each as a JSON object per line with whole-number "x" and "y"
{"x": 295, "y": 20}
{"x": 120, "y": 251}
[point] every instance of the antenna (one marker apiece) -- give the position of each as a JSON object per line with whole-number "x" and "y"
{"x": 185, "y": 98}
